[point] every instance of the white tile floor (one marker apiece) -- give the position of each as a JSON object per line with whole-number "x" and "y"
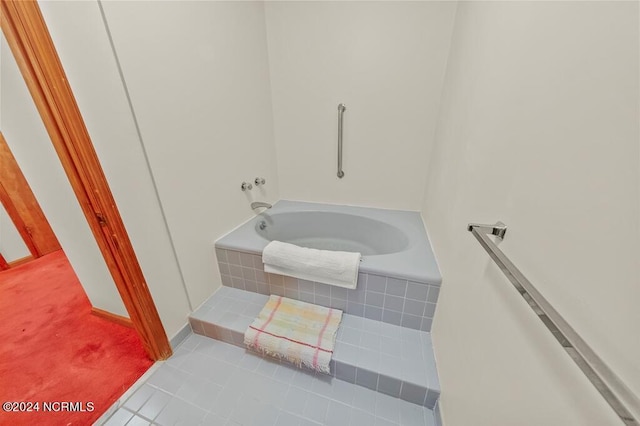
{"x": 209, "y": 382}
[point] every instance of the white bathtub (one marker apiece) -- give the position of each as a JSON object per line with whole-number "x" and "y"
{"x": 393, "y": 243}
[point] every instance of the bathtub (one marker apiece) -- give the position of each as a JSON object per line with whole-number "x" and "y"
{"x": 398, "y": 263}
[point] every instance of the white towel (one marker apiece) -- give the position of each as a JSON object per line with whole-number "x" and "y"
{"x": 339, "y": 268}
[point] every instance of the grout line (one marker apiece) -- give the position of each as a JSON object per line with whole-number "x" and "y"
{"x": 132, "y": 389}
{"x": 144, "y": 151}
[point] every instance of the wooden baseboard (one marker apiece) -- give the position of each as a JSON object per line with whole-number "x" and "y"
{"x": 20, "y": 261}
{"x": 118, "y": 319}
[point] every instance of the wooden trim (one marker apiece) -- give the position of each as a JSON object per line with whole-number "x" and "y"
{"x": 16, "y": 218}
{"x": 118, "y": 319}
{"x": 20, "y": 261}
{"x": 3, "y": 263}
{"x": 33, "y": 49}
{"x": 22, "y": 207}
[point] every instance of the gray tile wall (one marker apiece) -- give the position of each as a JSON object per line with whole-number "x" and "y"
{"x": 395, "y": 301}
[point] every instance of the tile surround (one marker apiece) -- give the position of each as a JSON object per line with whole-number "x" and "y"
{"x": 391, "y": 300}
{"x": 382, "y": 357}
{"x": 365, "y": 355}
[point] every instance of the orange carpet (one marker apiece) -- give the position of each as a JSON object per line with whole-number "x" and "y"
{"x": 55, "y": 353}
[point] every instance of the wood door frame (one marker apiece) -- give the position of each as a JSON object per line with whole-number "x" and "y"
{"x": 22, "y": 207}
{"x": 28, "y": 37}
{"x": 16, "y": 219}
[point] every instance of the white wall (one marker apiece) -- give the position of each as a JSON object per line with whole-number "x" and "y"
{"x": 386, "y": 62}
{"x": 82, "y": 42}
{"x": 198, "y": 77}
{"x": 12, "y": 247}
{"x": 538, "y": 128}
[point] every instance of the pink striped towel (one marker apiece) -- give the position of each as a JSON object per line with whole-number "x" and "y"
{"x": 299, "y": 332}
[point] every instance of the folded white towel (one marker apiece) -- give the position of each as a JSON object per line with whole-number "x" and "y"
{"x": 339, "y": 268}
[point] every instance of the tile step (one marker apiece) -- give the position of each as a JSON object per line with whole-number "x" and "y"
{"x": 390, "y": 359}
{"x": 210, "y": 382}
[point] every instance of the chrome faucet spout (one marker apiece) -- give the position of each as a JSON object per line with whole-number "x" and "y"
{"x": 258, "y": 204}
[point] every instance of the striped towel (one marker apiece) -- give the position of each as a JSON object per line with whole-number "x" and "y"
{"x": 299, "y": 332}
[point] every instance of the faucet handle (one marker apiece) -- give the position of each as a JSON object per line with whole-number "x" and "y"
{"x": 259, "y": 181}
{"x": 246, "y": 186}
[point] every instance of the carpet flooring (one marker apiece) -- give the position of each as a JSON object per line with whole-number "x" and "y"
{"x": 54, "y": 352}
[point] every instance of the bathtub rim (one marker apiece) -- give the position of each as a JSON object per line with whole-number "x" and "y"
{"x": 392, "y": 239}
{"x": 417, "y": 263}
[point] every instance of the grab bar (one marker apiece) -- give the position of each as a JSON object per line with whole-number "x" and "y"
{"x": 614, "y": 391}
{"x": 341, "y": 109}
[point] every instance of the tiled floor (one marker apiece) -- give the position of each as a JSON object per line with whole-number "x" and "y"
{"x": 210, "y": 382}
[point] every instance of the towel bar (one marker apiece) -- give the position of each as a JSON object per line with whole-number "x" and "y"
{"x": 612, "y": 389}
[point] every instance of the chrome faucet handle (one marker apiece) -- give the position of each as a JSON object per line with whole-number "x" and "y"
{"x": 246, "y": 186}
{"x": 259, "y": 181}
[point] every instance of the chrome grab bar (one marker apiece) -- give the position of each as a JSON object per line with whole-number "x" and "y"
{"x": 614, "y": 391}
{"x": 341, "y": 109}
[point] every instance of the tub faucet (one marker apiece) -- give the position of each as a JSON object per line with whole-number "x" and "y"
{"x": 258, "y": 204}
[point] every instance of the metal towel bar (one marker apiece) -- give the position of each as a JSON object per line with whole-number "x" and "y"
{"x": 614, "y": 391}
